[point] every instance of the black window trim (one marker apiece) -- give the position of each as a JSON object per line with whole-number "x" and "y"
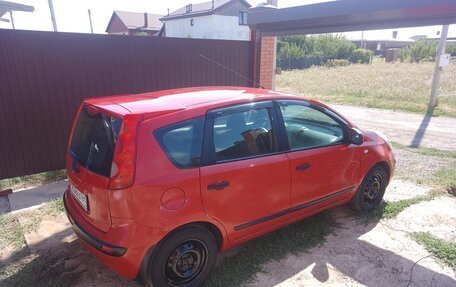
{"x": 283, "y": 134}
{"x": 208, "y": 156}
{"x": 241, "y": 18}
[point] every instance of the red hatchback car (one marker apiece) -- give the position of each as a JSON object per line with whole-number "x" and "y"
{"x": 161, "y": 182}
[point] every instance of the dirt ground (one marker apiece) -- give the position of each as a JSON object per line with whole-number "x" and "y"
{"x": 371, "y": 254}
{"x": 359, "y": 252}
{"x": 403, "y": 127}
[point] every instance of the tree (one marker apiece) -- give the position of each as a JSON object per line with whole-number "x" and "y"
{"x": 326, "y": 47}
{"x": 451, "y": 48}
{"x": 292, "y": 50}
{"x": 361, "y": 56}
{"x": 421, "y": 50}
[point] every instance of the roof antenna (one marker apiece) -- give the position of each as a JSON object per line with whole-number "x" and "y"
{"x": 212, "y": 4}
{"x": 232, "y": 71}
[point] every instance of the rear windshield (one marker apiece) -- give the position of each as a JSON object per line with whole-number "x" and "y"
{"x": 94, "y": 139}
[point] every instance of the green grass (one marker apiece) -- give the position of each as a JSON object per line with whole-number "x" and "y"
{"x": 54, "y": 207}
{"x": 443, "y": 250}
{"x": 446, "y": 178}
{"x": 11, "y": 233}
{"x": 13, "y": 230}
{"x": 33, "y": 180}
{"x": 295, "y": 238}
{"x": 26, "y": 267}
{"x": 426, "y": 150}
{"x": 398, "y": 86}
{"x": 392, "y": 209}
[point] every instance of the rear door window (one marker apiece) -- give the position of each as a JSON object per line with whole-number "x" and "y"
{"x": 243, "y": 134}
{"x": 182, "y": 142}
{"x": 94, "y": 139}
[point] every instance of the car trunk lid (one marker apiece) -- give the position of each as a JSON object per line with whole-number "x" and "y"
{"x": 89, "y": 159}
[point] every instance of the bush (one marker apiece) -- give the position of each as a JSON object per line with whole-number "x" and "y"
{"x": 421, "y": 50}
{"x": 337, "y": 63}
{"x": 289, "y": 50}
{"x": 324, "y": 47}
{"x": 451, "y": 48}
{"x": 404, "y": 54}
{"x": 361, "y": 56}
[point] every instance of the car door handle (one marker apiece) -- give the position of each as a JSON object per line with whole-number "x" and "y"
{"x": 218, "y": 185}
{"x": 303, "y": 167}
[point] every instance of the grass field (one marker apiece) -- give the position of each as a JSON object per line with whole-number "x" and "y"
{"x": 399, "y": 86}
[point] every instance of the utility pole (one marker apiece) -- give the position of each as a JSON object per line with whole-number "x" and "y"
{"x": 90, "y": 20}
{"x": 51, "y": 8}
{"x": 437, "y": 69}
{"x": 362, "y": 40}
{"x": 12, "y": 20}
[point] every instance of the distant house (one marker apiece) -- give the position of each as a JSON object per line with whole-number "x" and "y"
{"x": 218, "y": 19}
{"x": 132, "y": 23}
{"x": 379, "y": 47}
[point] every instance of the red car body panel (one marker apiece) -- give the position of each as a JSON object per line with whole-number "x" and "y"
{"x": 95, "y": 187}
{"x": 258, "y": 188}
{"x": 331, "y": 169}
{"x": 264, "y": 193}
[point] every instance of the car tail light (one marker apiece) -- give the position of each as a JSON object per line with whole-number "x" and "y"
{"x": 124, "y": 159}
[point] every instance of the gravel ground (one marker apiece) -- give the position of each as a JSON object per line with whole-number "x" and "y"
{"x": 373, "y": 254}
{"x": 412, "y": 166}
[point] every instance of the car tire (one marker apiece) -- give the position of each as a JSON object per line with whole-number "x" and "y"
{"x": 184, "y": 259}
{"x": 370, "y": 192}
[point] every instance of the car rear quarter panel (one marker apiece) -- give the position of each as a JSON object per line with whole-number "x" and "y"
{"x": 156, "y": 174}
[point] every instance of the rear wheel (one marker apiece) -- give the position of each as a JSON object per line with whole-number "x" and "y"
{"x": 370, "y": 192}
{"x": 184, "y": 259}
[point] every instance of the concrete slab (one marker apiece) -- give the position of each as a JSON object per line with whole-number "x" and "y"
{"x": 35, "y": 196}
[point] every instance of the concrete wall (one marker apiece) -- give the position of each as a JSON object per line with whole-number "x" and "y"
{"x": 208, "y": 27}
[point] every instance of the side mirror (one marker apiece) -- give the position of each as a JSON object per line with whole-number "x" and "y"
{"x": 356, "y": 136}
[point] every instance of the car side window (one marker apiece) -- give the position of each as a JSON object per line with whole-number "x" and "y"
{"x": 307, "y": 127}
{"x": 182, "y": 142}
{"x": 243, "y": 134}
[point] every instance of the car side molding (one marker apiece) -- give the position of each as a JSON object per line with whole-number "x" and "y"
{"x": 293, "y": 209}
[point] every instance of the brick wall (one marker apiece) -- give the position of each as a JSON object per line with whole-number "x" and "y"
{"x": 268, "y": 62}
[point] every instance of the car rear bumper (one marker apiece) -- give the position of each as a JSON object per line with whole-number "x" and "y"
{"x": 122, "y": 248}
{"x": 93, "y": 241}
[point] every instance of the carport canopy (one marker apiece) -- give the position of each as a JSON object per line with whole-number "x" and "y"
{"x": 351, "y": 15}
{"x": 6, "y": 6}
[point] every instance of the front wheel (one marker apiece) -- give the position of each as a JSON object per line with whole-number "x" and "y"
{"x": 184, "y": 259}
{"x": 370, "y": 192}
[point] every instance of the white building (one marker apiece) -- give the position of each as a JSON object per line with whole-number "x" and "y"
{"x": 218, "y": 19}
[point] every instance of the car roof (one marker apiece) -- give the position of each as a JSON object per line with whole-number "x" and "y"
{"x": 168, "y": 101}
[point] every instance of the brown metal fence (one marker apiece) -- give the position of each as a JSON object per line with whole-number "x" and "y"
{"x": 44, "y": 76}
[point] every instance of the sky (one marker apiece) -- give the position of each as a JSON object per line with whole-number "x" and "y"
{"x": 72, "y": 16}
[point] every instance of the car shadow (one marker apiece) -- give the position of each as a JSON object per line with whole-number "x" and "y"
{"x": 61, "y": 260}
{"x": 347, "y": 252}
